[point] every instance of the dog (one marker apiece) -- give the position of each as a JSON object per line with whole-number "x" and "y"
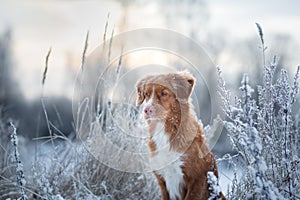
{"x": 179, "y": 156}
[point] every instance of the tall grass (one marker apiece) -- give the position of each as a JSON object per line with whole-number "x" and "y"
{"x": 65, "y": 169}
{"x": 262, "y": 130}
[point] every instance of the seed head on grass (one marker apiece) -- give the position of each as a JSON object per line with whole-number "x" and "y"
{"x": 84, "y": 51}
{"x": 46, "y": 67}
{"x": 263, "y": 47}
{"x": 260, "y": 32}
{"x": 110, "y": 43}
{"x": 106, "y": 27}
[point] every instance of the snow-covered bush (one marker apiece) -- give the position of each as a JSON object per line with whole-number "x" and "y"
{"x": 76, "y": 174}
{"x": 263, "y": 129}
{"x": 63, "y": 168}
{"x": 262, "y": 124}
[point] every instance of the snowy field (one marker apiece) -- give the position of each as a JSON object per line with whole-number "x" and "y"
{"x": 77, "y": 133}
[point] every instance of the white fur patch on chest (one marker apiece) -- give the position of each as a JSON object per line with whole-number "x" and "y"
{"x": 167, "y": 163}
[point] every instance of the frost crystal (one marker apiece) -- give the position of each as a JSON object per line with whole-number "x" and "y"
{"x": 19, "y": 166}
{"x": 264, "y": 132}
{"x": 213, "y": 185}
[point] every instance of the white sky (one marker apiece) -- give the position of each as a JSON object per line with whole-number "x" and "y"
{"x": 238, "y": 17}
{"x": 37, "y": 25}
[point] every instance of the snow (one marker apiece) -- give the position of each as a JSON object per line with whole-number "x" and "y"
{"x": 213, "y": 185}
{"x": 262, "y": 131}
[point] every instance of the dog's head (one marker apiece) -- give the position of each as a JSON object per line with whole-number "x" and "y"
{"x": 164, "y": 94}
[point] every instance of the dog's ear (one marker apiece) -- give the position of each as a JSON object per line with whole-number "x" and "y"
{"x": 184, "y": 84}
{"x": 140, "y": 90}
{"x": 140, "y": 87}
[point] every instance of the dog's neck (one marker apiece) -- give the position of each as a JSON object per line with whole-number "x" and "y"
{"x": 180, "y": 126}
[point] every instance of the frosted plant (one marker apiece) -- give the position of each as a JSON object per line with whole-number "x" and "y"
{"x": 21, "y": 182}
{"x": 42, "y": 181}
{"x": 214, "y": 187}
{"x": 264, "y": 130}
{"x": 265, "y": 134}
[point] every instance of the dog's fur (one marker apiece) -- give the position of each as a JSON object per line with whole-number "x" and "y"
{"x": 179, "y": 156}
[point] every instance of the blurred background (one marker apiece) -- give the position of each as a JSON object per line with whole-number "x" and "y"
{"x": 225, "y": 29}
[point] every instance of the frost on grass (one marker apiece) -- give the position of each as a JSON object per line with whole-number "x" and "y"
{"x": 213, "y": 185}
{"x": 21, "y": 182}
{"x": 262, "y": 124}
{"x": 263, "y": 131}
{"x": 65, "y": 169}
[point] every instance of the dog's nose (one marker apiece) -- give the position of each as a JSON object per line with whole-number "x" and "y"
{"x": 148, "y": 110}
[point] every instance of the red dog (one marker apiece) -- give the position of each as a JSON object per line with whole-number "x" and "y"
{"x": 180, "y": 159}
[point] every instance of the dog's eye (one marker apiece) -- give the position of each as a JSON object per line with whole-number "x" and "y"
{"x": 147, "y": 94}
{"x": 163, "y": 94}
